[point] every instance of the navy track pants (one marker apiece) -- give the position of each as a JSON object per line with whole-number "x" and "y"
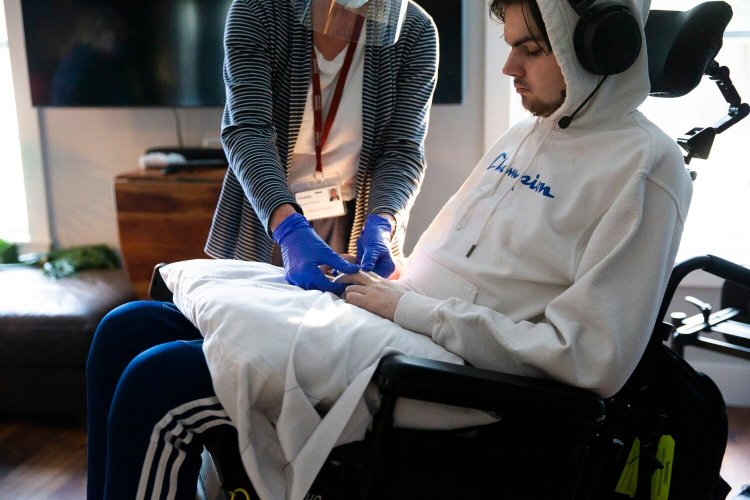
{"x": 151, "y": 404}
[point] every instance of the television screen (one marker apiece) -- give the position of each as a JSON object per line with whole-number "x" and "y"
{"x": 153, "y": 53}
{"x": 448, "y": 17}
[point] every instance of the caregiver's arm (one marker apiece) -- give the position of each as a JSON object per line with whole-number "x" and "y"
{"x": 398, "y": 169}
{"x": 248, "y": 131}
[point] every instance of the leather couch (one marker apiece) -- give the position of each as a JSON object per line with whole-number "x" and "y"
{"x": 46, "y": 327}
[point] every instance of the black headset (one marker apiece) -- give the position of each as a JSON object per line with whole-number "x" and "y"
{"x": 607, "y": 39}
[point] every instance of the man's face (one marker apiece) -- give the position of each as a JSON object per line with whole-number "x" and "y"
{"x": 536, "y": 74}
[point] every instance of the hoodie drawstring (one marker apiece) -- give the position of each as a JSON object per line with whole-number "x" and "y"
{"x": 516, "y": 180}
{"x": 471, "y": 204}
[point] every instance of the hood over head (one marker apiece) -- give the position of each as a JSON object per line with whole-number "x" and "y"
{"x": 620, "y": 94}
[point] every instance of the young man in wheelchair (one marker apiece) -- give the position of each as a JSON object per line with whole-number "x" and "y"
{"x": 550, "y": 261}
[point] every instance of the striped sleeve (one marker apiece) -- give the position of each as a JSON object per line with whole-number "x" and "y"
{"x": 248, "y": 131}
{"x": 399, "y": 167}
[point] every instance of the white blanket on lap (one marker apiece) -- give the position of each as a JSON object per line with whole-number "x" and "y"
{"x": 280, "y": 357}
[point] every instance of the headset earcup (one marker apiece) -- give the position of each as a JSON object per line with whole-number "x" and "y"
{"x": 610, "y": 42}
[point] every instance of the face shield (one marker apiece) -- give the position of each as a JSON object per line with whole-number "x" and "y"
{"x": 336, "y": 18}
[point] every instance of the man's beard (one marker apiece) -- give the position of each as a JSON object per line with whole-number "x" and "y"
{"x": 544, "y": 109}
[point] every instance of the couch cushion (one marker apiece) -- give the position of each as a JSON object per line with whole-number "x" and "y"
{"x": 46, "y": 322}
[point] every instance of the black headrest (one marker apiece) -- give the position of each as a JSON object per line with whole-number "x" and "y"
{"x": 681, "y": 45}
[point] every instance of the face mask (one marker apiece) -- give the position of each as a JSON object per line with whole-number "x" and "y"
{"x": 351, "y": 4}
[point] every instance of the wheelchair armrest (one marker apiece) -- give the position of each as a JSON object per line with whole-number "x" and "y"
{"x": 459, "y": 385}
{"x": 158, "y": 290}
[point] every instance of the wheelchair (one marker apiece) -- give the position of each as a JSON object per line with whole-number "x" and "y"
{"x": 551, "y": 440}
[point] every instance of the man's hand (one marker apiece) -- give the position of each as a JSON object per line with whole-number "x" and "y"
{"x": 373, "y": 293}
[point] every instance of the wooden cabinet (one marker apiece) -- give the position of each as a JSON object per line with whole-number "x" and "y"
{"x": 163, "y": 218}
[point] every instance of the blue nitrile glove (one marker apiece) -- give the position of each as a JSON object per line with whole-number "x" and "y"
{"x": 303, "y": 251}
{"x": 374, "y": 246}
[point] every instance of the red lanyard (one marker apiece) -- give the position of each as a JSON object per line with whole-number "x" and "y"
{"x": 321, "y": 132}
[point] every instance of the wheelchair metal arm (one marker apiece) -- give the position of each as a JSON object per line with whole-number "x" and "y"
{"x": 737, "y": 109}
{"x": 698, "y": 141}
{"x": 436, "y": 381}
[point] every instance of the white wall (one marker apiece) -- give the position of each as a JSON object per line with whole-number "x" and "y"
{"x": 28, "y": 133}
{"x": 455, "y": 140}
{"x": 84, "y": 149}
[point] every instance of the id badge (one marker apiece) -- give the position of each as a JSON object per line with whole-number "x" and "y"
{"x": 320, "y": 199}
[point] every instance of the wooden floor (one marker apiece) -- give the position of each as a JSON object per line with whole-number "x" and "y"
{"x": 42, "y": 461}
{"x": 45, "y": 461}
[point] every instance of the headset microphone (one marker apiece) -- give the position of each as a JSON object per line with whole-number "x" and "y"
{"x": 564, "y": 122}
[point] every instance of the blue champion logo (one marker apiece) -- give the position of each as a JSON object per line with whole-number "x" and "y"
{"x": 500, "y": 165}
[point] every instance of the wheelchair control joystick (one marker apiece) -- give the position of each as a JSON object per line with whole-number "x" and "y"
{"x": 704, "y": 307}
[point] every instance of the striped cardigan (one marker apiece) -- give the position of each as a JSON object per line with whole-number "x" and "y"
{"x": 267, "y": 73}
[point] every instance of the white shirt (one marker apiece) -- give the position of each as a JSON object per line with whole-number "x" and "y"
{"x": 340, "y": 155}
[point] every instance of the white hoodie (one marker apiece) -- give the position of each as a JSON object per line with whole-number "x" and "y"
{"x": 574, "y": 234}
